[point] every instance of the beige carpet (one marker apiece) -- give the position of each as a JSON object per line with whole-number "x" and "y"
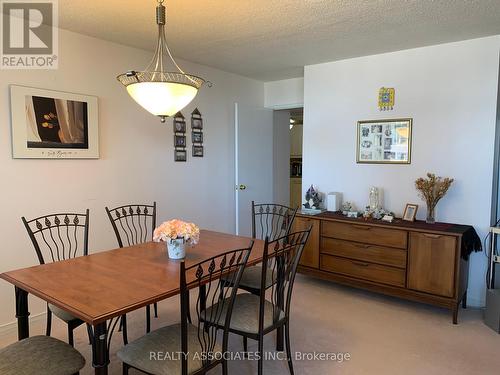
{"x": 383, "y": 335}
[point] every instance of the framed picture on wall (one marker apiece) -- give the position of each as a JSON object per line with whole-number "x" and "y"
{"x": 196, "y": 123}
{"x": 180, "y": 155}
{"x": 197, "y": 137}
{"x": 384, "y": 141}
{"x": 53, "y": 125}
{"x": 180, "y": 140}
{"x": 198, "y": 151}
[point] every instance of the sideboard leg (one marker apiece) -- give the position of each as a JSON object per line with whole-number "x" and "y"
{"x": 464, "y": 301}
{"x": 455, "y": 313}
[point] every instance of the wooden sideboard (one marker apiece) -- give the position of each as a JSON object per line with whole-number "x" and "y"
{"x": 415, "y": 261}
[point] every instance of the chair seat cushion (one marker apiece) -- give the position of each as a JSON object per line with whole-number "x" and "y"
{"x": 61, "y": 314}
{"x": 245, "y": 315}
{"x": 156, "y": 352}
{"x": 40, "y": 355}
{"x": 251, "y": 277}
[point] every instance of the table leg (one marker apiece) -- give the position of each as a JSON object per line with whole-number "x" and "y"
{"x": 22, "y": 314}
{"x": 100, "y": 351}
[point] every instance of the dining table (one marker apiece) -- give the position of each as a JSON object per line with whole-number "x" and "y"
{"x": 102, "y": 287}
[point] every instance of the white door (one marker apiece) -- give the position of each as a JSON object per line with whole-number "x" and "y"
{"x": 253, "y": 162}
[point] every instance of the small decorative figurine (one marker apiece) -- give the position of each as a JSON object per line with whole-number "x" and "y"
{"x": 368, "y": 213}
{"x": 374, "y": 198}
{"x": 313, "y": 199}
{"x": 346, "y": 207}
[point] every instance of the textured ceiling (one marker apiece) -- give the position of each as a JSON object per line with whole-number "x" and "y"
{"x": 274, "y": 39}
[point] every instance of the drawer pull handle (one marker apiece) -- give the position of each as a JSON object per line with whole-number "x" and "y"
{"x": 362, "y": 264}
{"x": 361, "y": 246}
{"x": 362, "y": 227}
{"x": 432, "y": 235}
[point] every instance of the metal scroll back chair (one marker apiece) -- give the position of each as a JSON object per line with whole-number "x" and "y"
{"x": 198, "y": 342}
{"x": 134, "y": 224}
{"x": 270, "y": 221}
{"x": 255, "y": 316}
{"x": 57, "y": 237}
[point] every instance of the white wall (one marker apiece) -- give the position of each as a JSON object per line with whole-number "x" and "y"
{"x": 284, "y": 94}
{"x": 136, "y": 163}
{"x": 450, "y": 92}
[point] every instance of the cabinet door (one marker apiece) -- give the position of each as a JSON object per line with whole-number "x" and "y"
{"x": 431, "y": 263}
{"x": 310, "y": 255}
{"x": 295, "y": 192}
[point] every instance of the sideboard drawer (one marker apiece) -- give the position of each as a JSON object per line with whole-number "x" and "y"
{"x": 360, "y": 251}
{"x": 365, "y": 233}
{"x": 364, "y": 270}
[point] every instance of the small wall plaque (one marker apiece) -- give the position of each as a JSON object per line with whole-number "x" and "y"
{"x": 386, "y": 98}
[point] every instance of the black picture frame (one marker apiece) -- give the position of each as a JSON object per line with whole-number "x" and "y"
{"x": 180, "y": 155}
{"x": 197, "y": 137}
{"x": 179, "y": 140}
{"x": 179, "y": 126}
{"x": 198, "y": 151}
{"x": 197, "y": 123}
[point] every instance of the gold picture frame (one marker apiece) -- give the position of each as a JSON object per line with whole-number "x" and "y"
{"x": 410, "y": 212}
{"x": 385, "y": 141}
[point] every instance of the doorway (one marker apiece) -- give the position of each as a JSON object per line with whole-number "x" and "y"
{"x": 287, "y": 155}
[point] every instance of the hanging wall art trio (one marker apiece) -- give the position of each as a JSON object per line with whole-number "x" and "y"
{"x": 180, "y": 139}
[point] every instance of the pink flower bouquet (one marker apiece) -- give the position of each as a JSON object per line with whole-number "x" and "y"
{"x": 177, "y": 229}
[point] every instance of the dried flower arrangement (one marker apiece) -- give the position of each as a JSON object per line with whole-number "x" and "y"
{"x": 432, "y": 189}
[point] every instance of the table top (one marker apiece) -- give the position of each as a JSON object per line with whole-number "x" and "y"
{"x": 398, "y": 223}
{"x": 104, "y": 285}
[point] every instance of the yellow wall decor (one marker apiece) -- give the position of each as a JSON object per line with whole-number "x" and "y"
{"x": 386, "y": 99}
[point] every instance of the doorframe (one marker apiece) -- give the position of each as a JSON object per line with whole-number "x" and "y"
{"x": 236, "y": 170}
{"x": 495, "y": 202}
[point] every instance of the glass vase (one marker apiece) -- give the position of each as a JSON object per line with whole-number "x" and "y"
{"x": 431, "y": 215}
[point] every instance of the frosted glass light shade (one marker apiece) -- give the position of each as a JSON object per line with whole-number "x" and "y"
{"x": 162, "y": 98}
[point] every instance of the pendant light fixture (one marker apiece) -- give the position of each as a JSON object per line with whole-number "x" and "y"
{"x": 159, "y": 91}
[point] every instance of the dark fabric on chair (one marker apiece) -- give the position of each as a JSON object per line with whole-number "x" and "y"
{"x": 40, "y": 355}
{"x": 167, "y": 342}
{"x": 245, "y": 316}
{"x": 252, "y": 276}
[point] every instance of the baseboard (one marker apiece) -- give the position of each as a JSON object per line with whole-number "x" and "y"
{"x": 10, "y": 328}
{"x": 474, "y": 302}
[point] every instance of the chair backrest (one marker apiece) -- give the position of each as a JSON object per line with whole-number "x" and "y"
{"x": 58, "y": 237}
{"x": 281, "y": 257}
{"x": 271, "y": 220}
{"x": 204, "y": 277}
{"x": 133, "y": 223}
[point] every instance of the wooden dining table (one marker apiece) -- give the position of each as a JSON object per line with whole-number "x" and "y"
{"x": 104, "y": 286}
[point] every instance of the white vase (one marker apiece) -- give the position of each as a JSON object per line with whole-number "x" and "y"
{"x": 176, "y": 248}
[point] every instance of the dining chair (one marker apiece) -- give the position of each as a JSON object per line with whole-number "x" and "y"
{"x": 40, "y": 355}
{"x": 272, "y": 221}
{"x": 197, "y": 343}
{"x": 255, "y": 316}
{"x": 134, "y": 224}
{"x": 58, "y": 237}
